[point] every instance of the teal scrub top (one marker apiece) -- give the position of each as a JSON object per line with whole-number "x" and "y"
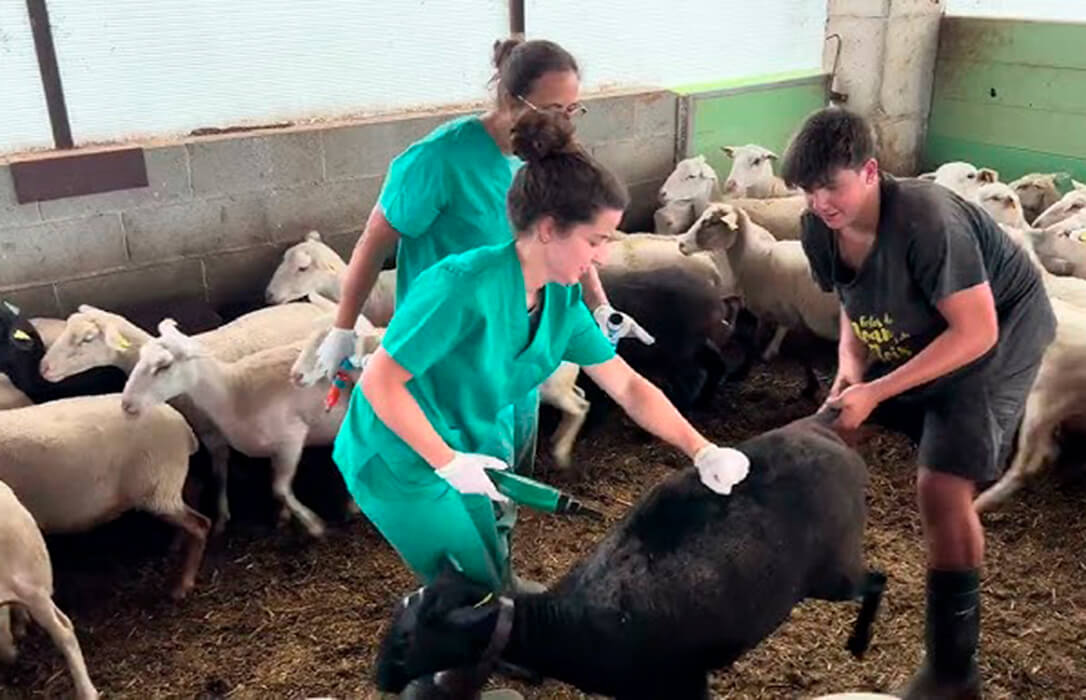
{"x": 446, "y": 194}
{"x": 464, "y": 335}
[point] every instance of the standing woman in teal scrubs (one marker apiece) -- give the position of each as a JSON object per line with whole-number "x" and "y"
{"x": 477, "y": 331}
{"x": 446, "y": 194}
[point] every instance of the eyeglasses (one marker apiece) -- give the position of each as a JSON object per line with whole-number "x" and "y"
{"x": 573, "y": 110}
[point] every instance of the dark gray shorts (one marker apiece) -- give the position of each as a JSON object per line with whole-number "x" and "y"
{"x": 965, "y": 426}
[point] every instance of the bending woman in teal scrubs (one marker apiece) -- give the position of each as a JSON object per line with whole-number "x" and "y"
{"x": 446, "y": 194}
{"x": 477, "y": 331}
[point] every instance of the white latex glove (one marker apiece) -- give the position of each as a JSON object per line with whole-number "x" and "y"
{"x": 721, "y": 468}
{"x": 466, "y": 474}
{"x": 336, "y": 347}
{"x": 622, "y": 328}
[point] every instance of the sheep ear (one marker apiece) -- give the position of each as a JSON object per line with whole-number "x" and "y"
{"x": 771, "y": 155}
{"x": 926, "y": 176}
{"x": 88, "y": 309}
{"x": 115, "y": 339}
{"x": 987, "y": 175}
{"x": 313, "y": 236}
{"x": 731, "y": 217}
{"x": 728, "y": 151}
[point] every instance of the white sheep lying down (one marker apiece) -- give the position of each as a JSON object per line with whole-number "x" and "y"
{"x": 75, "y": 463}
{"x": 26, "y": 585}
{"x": 251, "y": 401}
{"x": 1072, "y": 204}
{"x": 774, "y": 277}
{"x": 96, "y": 338}
{"x": 1056, "y": 399}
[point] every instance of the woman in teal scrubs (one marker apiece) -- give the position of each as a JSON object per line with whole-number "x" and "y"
{"x": 446, "y": 194}
{"x": 477, "y": 331}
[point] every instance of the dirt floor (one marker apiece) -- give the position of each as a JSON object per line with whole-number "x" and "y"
{"x": 276, "y": 615}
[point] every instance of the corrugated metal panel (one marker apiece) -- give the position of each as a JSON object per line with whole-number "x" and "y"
{"x": 1064, "y": 10}
{"x": 684, "y": 41}
{"x": 24, "y": 119}
{"x": 132, "y": 67}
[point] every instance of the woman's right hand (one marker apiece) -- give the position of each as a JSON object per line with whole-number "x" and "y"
{"x": 466, "y": 473}
{"x": 336, "y": 347}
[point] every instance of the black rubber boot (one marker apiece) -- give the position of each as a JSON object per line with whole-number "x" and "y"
{"x": 949, "y": 671}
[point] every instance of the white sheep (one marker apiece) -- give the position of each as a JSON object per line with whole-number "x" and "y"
{"x": 774, "y": 277}
{"x": 692, "y": 179}
{"x": 685, "y": 194}
{"x": 10, "y": 396}
{"x": 1070, "y": 205}
{"x": 1064, "y": 246}
{"x": 1058, "y": 286}
{"x": 781, "y": 216}
{"x": 651, "y": 251}
{"x": 963, "y": 178}
{"x": 75, "y": 463}
{"x": 26, "y": 584}
{"x": 1039, "y": 191}
{"x": 95, "y": 338}
{"x": 752, "y": 173}
{"x": 1000, "y": 200}
{"x": 313, "y": 266}
{"x": 252, "y": 402}
{"x": 1056, "y": 399}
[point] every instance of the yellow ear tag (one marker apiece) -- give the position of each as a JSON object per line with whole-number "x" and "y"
{"x": 123, "y": 342}
{"x": 484, "y": 601}
{"x": 20, "y": 335}
{"x": 1082, "y": 236}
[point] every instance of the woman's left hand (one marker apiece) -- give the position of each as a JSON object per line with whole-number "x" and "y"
{"x": 856, "y": 404}
{"x": 623, "y": 326}
{"x": 721, "y": 468}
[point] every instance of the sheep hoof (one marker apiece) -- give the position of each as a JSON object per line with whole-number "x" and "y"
{"x": 181, "y": 590}
{"x": 220, "y": 524}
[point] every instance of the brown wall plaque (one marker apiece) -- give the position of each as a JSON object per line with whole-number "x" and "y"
{"x": 56, "y": 177}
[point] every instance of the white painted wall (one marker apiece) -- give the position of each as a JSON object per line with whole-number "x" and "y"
{"x": 1064, "y": 10}
{"x": 682, "y": 41}
{"x": 24, "y": 119}
{"x": 133, "y": 67}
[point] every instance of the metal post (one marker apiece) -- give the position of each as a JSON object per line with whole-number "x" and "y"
{"x": 516, "y": 18}
{"x": 50, "y": 72}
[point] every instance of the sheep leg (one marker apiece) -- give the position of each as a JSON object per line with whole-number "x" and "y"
{"x": 811, "y": 386}
{"x": 712, "y": 361}
{"x": 219, "y": 450}
{"x": 774, "y": 348}
{"x": 574, "y": 410}
{"x": 1036, "y": 444}
{"x": 284, "y": 467}
{"x": 196, "y": 526}
{"x": 56, "y": 623}
{"x": 8, "y": 652}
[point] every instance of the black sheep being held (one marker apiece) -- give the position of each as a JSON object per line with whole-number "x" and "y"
{"x": 686, "y": 583}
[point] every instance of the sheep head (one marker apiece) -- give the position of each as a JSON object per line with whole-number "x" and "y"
{"x": 716, "y": 229}
{"x": 444, "y": 625}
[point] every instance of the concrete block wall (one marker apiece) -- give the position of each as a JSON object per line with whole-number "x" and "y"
{"x": 219, "y": 211}
{"x": 886, "y": 68}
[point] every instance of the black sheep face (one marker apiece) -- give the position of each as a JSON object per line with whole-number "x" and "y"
{"x": 21, "y": 347}
{"x": 444, "y": 625}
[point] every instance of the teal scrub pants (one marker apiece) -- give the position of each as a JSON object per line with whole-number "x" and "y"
{"x": 430, "y": 521}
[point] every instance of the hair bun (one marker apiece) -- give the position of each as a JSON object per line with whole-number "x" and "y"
{"x": 503, "y": 48}
{"x": 543, "y": 134}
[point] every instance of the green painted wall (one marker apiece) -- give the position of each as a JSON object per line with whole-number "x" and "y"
{"x": 1010, "y": 95}
{"x": 765, "y": 110}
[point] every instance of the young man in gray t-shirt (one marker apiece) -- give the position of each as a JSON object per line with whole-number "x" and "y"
{"x": 942, "y": 314}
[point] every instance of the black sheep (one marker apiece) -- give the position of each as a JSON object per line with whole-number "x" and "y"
{"x": 686, "y": 583}
{"x": 691, "y": 325}
{"x": 21, "y": 350}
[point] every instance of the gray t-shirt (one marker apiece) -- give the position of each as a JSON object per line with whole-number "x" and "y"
{"x": 930, "y": 244}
